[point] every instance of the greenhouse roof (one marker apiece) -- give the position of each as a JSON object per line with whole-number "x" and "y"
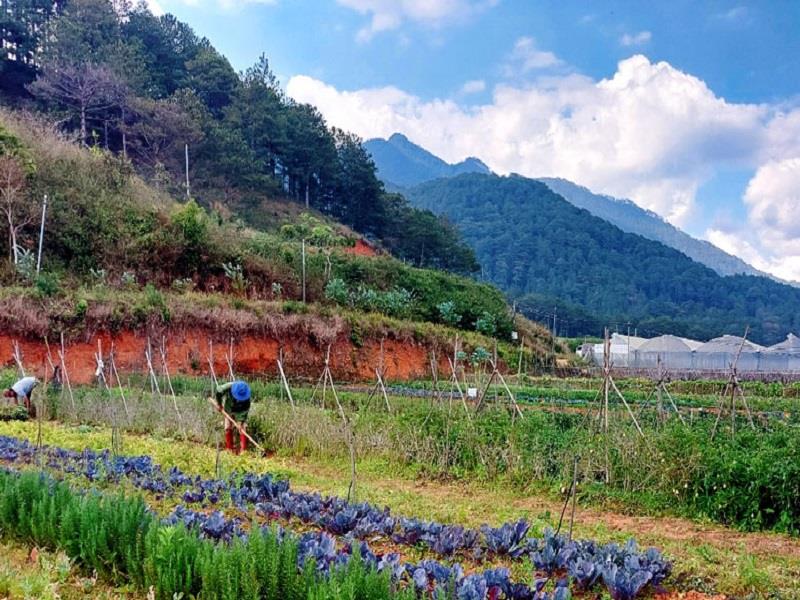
{"x": 791, "y": 345}
{"x": 665, "y": 343}
{"x": 729, "y": 344}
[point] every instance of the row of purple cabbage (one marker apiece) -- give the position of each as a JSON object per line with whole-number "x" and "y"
{"x": 624, "y": 570}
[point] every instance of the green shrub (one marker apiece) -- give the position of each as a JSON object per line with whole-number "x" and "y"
{"x": 448, "y": 314}
{"x": 48, "y": 285}
{"x": 336, "y": 291}
{"x": 486, "y": 324}
{"x": 81, "y": 306}
{"x": 155, "y": 301}
{"x": 13, "y": 413}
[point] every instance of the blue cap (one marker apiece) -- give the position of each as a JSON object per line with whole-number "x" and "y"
{"x": 240, "y": 391}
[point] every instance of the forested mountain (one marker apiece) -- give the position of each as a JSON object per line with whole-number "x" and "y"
{"x": 546, "y": 252}
{"x": 148, "y": 89}
{"x": 631, "y": 218}
{"x": 402, "y": 163}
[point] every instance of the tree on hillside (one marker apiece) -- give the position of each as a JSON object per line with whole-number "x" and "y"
{"x": 156, "y": 132}
{"x": 165, "y": 46}
{"x": 85, "y": 89}
{"x": 14, "y": 205}
{"x": 24, "y": 34}
{"x": 257, "y": 111}
{"x": 310, "y": 154}
{"x": 358, "y": 190}
{"x": 212, "y": 78}
{"x": 220, "y": 159}
{"x": 83, "y": 32}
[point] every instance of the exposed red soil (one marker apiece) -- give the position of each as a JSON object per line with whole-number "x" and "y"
{"x": 188, "y": 352}
{"x": 361, "y": 248}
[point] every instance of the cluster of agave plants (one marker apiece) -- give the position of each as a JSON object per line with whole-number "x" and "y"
{"x": 344, "y": 528}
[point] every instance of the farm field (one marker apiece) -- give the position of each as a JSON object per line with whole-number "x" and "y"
{"x": 418, "y": 479}
{"x": 306, "y": 327}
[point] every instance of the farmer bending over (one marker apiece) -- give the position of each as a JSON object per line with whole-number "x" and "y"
{"x": 23, "y": 389}
{"x": 234, "y": 399}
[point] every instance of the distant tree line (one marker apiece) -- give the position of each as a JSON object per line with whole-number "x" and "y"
{"x": 145, "y": 87}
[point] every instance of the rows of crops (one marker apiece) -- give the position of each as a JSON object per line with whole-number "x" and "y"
{"x": 330, "y": 532}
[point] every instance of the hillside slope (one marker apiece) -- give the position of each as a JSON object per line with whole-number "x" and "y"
{"x": 631, "y": 218}
{"x": 402, "y": 163}
{"x": 122, "y": 256}
{"x": 540, "y": 249}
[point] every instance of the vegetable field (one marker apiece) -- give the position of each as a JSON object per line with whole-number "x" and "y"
{"x": 246, "y": 511}
{"x": 225, "y": 510}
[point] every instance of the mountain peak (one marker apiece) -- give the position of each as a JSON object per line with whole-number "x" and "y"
{"x": 402, "y": 163}
{"x": 398, "y": 137}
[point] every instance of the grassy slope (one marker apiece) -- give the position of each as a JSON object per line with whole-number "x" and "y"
{"x": 708, "y": 557}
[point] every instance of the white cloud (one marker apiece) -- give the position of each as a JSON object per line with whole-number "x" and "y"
{"x": 527, "y": 57}
{"x": 649, "y": 132}
{"x": 386, "y": 15}
{"x": 155, "y": 7}
{"x": 473, "y": 86}
{"x": 770, "y": 239}
{"x": 636, "y": 39}
{"x": 737, "y": 13}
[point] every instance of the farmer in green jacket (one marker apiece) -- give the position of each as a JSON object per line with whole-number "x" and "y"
{"x": 234, "y": 399}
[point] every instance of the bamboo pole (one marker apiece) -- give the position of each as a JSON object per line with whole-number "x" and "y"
{"x": 62, "y": 357}
{"x": 115, "y": 374}
{"x": 17, "y": 354}
{"x": 229, "y": 360}
{"x": 284, "y": 380}
{"x": 163, "y": 352}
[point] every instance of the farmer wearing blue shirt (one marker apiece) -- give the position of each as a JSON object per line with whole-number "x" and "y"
{"x": 234, "y": 399}
{"x": 23, "y": 389}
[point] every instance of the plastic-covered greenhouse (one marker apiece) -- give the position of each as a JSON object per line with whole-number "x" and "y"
{"x": 677, "y": 354}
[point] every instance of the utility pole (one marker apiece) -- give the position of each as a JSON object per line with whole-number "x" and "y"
{"x": 628, "y": 356}
{"x": 186, "y": 150}
{"x": 303, "y": 256}
{"x": 554, "y": 338}
{"x": 41, "y": 236}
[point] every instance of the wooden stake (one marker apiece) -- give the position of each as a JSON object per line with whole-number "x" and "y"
{"x": 229, "y": 360}
{"x": 162, "y": 350}
{"x": 62, "y": 357}
{"x": 734, "y": 386}
{"x": 327, "y": 378}
{"x": 284, "y": 380}
{"x": 115, "y": 374}
{"x": 154, "y": 386}
{"x": 211, "y": 364}
{"x": 17, "y": 354}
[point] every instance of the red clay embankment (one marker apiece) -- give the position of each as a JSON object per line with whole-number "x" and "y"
{"x": 188, "y": 353}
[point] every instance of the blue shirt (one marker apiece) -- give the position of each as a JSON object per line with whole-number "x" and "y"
{"x": 25, "y": 386}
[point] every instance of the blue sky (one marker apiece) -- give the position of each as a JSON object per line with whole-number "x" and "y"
{"x": 688, "y": 108}
{"x": 745, "y": 53}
